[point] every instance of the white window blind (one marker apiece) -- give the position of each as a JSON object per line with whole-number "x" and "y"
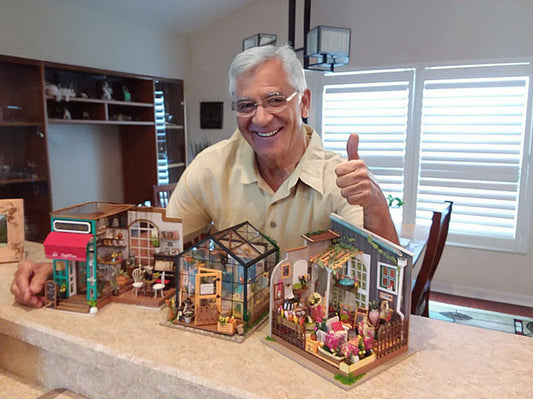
{"x": 376, "y": 107}
{"x": 471, "y": 152}
{"x": 452, "y": 133}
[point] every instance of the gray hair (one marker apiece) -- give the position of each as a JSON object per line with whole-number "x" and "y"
{"x": 255, "y": 56}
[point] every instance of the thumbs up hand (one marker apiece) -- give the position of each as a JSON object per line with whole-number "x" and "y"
{"x": 359, "y": 188}
{"x": 353, "y": 177}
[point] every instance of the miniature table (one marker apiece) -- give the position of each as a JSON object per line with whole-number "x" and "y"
{"x": 123, "y": 351}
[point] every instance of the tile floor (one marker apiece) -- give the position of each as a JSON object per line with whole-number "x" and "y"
{"x": 483, "y": 318}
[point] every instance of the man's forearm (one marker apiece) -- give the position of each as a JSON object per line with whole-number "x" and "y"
{"x": 378, "y": 219}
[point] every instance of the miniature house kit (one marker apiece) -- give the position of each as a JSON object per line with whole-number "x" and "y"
{"x": 342, "y": 300}
{"x": 222, "y": 282}
{"x": 97, "y": 246}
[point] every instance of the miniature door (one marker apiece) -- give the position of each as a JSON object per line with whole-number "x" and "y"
{"x": 208, "y": 298}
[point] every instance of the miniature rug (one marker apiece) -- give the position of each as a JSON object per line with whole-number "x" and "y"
{"x": 481, "y": 318}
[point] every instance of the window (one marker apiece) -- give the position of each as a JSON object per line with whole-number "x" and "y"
{"x": 387, "y": 278}
{"x": 141, "y": 241}
{"x": 443, "y": 133}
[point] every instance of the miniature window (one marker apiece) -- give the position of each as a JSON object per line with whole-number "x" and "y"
{"x": 141, "y": 241}
{"x": 388, "y": 278}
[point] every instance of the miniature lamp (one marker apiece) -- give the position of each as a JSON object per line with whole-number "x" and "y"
{"x": 328, "y": 47}
{"x": 260, "y": 39}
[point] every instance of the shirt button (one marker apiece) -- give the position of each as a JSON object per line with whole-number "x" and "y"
{"x": 273, "y": 224}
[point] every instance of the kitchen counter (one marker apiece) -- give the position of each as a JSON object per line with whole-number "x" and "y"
{"x": 124, "y": 352}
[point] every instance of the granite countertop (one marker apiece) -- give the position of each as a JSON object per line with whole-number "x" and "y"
{"x": 124, "y": 352}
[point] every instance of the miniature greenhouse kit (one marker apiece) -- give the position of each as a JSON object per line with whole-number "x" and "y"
{"x": 222, "y": 282}
{"x": 342, "y": 301}
{"x": 95, "y": 247}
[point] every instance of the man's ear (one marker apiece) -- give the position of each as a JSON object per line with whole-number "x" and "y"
{"x": 305, "y": 103}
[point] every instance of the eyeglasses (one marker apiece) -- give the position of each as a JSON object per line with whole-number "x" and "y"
{"x": 272, "y": 105}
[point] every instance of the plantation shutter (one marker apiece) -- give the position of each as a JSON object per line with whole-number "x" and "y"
{"x": 376, "y": 106}
{"x": 471, "y": 151}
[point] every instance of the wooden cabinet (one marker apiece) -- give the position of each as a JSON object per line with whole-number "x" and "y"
{"x": 152, "y": 144}
{"x": 23, "y": 153}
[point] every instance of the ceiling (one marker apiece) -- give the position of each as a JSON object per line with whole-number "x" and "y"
{"x": 176, "y": 16}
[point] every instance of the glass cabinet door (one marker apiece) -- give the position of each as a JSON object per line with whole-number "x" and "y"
{"x": 23, "y": 149}
{"x": 170, "y": 130}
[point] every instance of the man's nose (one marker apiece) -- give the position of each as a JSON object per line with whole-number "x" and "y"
{"x": 261, "y": 117}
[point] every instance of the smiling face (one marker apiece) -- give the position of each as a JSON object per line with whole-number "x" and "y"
{"x": 277, "y": 139}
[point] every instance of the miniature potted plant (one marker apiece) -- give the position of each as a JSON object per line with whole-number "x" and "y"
{"x": 122, "y": 278}
{"x": 155, "y": 243}
{"x": 92, "y": 306}
{"x": 373, "y": 315}
{"x": 188, "y": 316}
{"x": 332, "y": 348}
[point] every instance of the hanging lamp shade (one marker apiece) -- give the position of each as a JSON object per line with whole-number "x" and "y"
{"x": 259, "y": 39}
{"x": 328, "y": 47}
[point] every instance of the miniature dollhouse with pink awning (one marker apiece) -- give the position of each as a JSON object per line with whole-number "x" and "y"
{"x": 96, "y": 245}
{"x": 341, "y": 301}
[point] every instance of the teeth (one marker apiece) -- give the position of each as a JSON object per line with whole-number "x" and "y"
{"x": 267, "y": 134}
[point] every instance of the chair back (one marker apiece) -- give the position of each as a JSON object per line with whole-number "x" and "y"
{"x": 162, "y": 194}
{"x": 137, "y": 275}
{"x": 435, "y": 246}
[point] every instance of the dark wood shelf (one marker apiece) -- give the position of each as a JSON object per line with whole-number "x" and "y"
{"x": 100, "y": 122}
{"x": 30, "y": 116}
{"x": 23, "y": 124}
{"x": 23, "y": 180}
{"x": 100, "y": 101}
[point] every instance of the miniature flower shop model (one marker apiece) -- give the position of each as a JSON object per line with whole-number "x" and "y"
{"x": 105, "y": 252}
{"x": 342, "y": 300}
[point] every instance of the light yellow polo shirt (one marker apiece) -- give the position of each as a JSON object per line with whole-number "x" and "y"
{"x": 222, "y": 185}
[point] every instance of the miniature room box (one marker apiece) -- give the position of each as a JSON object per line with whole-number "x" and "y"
{"x": 222, "y": 282}
{"x": 342, "y": 300}
{"x": 96, "y": 245}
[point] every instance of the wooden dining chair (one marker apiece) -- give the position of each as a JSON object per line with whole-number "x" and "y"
{"x": 162, "y": 194}
{"x": 435, "y": 245}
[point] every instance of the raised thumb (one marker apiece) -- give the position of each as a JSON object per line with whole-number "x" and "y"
{"x": 352, "y": 147}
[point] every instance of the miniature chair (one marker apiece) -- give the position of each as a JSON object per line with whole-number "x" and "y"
{"x": 137, "y": 275}
{"x": 435, "y": 245}
{"x": 159, "y": 286}
{"x": 162, "y": 194}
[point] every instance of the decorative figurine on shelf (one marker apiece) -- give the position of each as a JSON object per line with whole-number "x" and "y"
{"x": 127, "y": 94}
{"x": 52, "y": 90}
{"x": 107, "y": 92}
{"x": 66, "y": 114}
{"x": 67, "y": 92}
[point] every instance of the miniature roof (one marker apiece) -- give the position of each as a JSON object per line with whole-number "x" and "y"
{"x": 243, "y": 242}
{"x": 321, "y": 236}
{"x": 92, "y": 210}
{"x": 335, "y": 256}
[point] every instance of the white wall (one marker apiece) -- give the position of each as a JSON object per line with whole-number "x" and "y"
{"x": 83, "y": 159}
{"x": 88, "y": 34}
{"x": 386, "y": 33}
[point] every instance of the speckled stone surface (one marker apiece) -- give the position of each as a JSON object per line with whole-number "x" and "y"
{"x": 15, "y": 386}
{"x": 124, "y": 352}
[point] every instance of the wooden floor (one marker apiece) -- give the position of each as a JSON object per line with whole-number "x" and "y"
{"x": 482, "y": 304}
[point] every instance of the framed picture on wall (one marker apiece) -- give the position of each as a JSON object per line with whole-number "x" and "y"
{"x": 286, "y": 270}
{"x": 11, "y": 230}
{"x": 211, "y": 114}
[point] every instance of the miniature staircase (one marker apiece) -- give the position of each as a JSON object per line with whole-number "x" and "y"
{"x": 76, "y": 303}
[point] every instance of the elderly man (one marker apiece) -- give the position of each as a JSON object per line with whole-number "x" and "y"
{"x": 272, "y": 172}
